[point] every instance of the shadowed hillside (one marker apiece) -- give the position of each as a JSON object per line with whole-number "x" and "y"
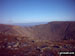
{"x": 55, "y": 31}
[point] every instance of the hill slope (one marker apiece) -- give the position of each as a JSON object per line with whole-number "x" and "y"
{"x": 54, "y": 31}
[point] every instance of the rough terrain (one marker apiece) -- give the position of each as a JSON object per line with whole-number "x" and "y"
{"x": 41, "y": 40}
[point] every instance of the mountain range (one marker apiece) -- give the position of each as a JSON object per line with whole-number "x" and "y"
{"x": 53, "y": 31}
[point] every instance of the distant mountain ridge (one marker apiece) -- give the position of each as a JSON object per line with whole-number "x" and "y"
{"x": 29, "y": 24}
{"x": 53, "y": 31}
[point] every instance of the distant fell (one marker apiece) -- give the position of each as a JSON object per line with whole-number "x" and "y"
{"x": 53, "y": 31}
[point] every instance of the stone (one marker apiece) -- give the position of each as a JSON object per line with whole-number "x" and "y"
{"x": 9, "y": 46}
{"x": 44, "y": 46}
{"x": 56, "y": 47}
{"x": 16, "y": 44}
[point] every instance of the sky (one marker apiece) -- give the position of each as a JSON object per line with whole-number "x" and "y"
{"x": 27, "y": 11}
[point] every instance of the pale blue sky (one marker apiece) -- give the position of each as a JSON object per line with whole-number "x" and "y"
{"x": 27, "y": 11}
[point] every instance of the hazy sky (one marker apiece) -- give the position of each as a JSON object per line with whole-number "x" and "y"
{"x": 26, "y": 11}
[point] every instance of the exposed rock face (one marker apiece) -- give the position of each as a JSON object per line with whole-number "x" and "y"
{"x": 53, "y": 31}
